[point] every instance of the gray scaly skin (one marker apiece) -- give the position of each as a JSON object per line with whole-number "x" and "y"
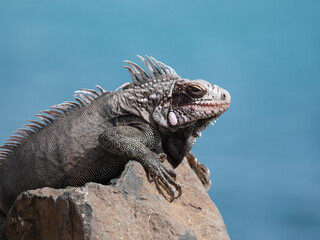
{"x": 158, "y": 116}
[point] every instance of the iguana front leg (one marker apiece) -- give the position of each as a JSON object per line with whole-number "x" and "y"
{"x": 130, "y": 143}
{"x": 201, "y": 170}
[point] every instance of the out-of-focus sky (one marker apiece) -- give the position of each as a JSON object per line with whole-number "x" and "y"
{"x": 263, "y": 152}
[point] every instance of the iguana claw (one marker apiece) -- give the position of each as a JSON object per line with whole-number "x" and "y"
{"x": 164, "y": 178}
{"x": 201, "y": 170}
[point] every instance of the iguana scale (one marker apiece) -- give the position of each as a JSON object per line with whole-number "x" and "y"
{"x": 157, "y": 116}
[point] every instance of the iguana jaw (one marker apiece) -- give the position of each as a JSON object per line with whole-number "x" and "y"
{"x": 177, "y": 118}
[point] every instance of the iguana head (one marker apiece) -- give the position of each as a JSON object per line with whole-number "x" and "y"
{"x": 196, "y": 100}
{"x": 172, "y": 102}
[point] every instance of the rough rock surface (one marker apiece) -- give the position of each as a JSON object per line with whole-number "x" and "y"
{"x": 131, "y": 208}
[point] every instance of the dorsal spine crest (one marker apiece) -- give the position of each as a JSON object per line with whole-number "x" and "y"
{"x": 47, "y": 117}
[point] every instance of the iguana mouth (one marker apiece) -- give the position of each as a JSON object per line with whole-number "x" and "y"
{"x": 220, "y": 105}
{"x": 209, "y": 106}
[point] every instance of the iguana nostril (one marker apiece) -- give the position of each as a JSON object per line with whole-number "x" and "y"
{"x": 223, "y": 96}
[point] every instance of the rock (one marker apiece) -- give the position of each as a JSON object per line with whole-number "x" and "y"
{"x": 131, "y": 208}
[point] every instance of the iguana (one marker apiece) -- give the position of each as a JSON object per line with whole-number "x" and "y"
{"x": 157, "y": 116}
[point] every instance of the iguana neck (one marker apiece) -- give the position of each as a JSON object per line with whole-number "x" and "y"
{"x": 143, "y": 101}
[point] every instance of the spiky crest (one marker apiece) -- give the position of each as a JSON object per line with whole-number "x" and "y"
{"x": 83, "y": 96}
{"x": 154, "y": 69}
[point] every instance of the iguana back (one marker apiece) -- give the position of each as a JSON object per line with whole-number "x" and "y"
{"x": 60, "y": 153}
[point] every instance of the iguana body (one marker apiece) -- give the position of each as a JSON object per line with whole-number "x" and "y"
{"x": 156, "y": 116}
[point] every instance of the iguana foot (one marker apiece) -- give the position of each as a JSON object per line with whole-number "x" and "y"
{"x": 164, "y": 178}
{"x": 201, "y": 170}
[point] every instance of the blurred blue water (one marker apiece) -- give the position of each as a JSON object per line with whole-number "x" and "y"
{"x": 263, "y": 153}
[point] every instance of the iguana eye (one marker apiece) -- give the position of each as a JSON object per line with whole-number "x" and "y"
{"x": 196, "y": 91}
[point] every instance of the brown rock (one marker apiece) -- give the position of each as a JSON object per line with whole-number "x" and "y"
{"x": 130, "y": 209}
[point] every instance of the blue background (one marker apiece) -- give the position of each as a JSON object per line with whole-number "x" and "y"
{"x": 263, "y": 152}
